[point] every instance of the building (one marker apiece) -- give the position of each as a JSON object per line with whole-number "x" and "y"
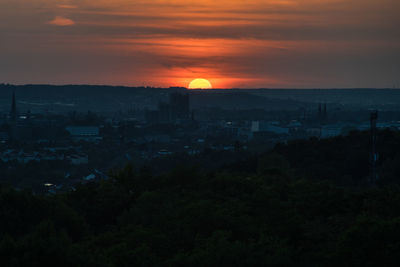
{"x": 4, "y": 137}
{"x": 180, "y": 107}
{"x": 78, "y": 159}
{"x": 177, "y": 109}
{"x": 86, "y": 133}
{"x": 258, "y": 126}
{"x": 13, "y": 111}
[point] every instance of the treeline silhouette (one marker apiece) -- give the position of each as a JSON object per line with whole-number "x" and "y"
{"x": 305, "y": 203}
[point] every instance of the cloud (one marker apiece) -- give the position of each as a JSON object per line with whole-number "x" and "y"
{"x": 67, "y": 6}
{"x": 261, "y": 43}
{"x": 61, "y": 21}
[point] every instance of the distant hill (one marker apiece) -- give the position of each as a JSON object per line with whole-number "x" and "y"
{"x": 113, "y": 98}
{"x": 101, "y": 98}
{"x": 227, "y": 99}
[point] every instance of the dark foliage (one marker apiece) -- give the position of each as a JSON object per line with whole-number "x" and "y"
{"x": 291, "y": 208}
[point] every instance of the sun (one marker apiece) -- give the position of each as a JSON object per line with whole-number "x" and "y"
{"x": 200, "y": 84}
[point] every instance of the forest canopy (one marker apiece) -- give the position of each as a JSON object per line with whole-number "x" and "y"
{"x": 305, "y": 203}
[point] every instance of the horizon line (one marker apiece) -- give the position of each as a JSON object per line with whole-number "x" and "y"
{"x": 198, "y": 89}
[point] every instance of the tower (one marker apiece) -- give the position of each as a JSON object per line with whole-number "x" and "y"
{"x": 374, "y": 154}
{"x": 319, "y": 110}
{"x": 179, "y": 104}
{"x": 13, "y": 111}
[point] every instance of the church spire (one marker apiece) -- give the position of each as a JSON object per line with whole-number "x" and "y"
{"x": 13, "y": 111}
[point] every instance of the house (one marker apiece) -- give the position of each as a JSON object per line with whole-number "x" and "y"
{"x": 78, "y": 159}
{"x": 258, "y": 126}
{"x": 85, "y": 133}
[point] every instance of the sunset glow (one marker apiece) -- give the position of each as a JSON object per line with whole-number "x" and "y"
{"x": 245, "y": 44}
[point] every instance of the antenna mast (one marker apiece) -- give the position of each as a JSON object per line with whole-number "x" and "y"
{"x": 374, "y": 154}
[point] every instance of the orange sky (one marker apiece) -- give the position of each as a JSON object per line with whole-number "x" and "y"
{"x": 232, "y": 43}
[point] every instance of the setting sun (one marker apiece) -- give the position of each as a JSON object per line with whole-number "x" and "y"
{"x": 200, "y": 84}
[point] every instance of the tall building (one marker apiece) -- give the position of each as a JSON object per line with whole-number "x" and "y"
{"x": 13, "y": 111}
{"x": 178, "y": 108}
{"x": 319, "y": 110}
{"x": 179, "y": 104}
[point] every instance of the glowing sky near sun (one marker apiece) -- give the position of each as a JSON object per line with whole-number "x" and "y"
{"x": 232, "y": 43}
